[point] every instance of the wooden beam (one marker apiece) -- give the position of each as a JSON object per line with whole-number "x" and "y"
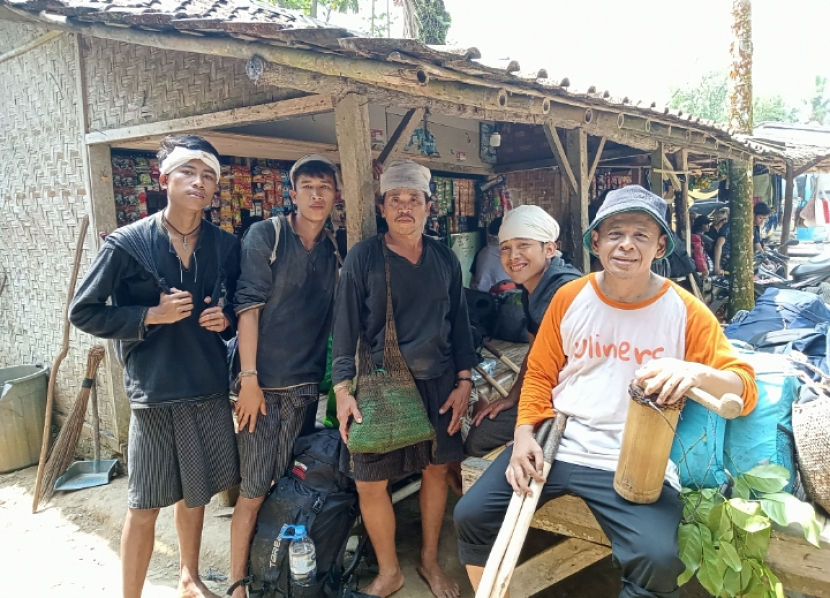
{"x": 576, "y": 148}
{"x": 786, "y": 224}
{"x": 681, "y": 208}
{"x": 351, "y": 117}
{"x": 402, "y": 135}
{"x": 307, "y": 105}
{"x": 528, "y": 165}
{"x": 555, "y": 564}
{"x": 559, "y": 154}
{"x": 38, "y": 41}
{"x": 593, "y": 170}
{"x": 811, "y": 164}
{"x": 670, "y": 171}
{"x": 655, "y": 176}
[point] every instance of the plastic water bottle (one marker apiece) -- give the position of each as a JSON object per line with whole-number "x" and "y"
{"x": 302, "y": 557}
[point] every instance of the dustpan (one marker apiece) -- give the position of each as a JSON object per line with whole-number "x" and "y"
{"x": 88, "y": 474}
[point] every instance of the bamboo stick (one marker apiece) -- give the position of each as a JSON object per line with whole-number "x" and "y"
{"x": 491, "y": 381}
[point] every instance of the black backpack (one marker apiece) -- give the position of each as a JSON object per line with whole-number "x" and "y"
{"x": 313, "y": 493}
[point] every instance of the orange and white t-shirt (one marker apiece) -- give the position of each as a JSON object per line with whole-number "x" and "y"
{"x": 588, "y": 349}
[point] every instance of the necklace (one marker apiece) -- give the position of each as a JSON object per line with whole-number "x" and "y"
{"x": 184, "y": 236}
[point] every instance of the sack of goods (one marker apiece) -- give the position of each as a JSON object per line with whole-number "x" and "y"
{"x": 303, "y": 526}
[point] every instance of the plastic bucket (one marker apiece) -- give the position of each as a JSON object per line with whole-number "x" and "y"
{"x": 22, "y": 412}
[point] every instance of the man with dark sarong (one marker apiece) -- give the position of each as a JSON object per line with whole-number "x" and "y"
{"x": 435, "y": 339}
{"x": 170, "y": 278}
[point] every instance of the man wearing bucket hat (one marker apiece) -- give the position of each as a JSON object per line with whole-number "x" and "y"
{"x": 284, "y": 301}
{"x": 435, "y": 340}
{"x": 527, "y": 246}
{"x": 598, "y": 334}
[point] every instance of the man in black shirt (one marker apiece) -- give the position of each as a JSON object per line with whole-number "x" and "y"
{"x": 170, "y": 278}
{"x": 436, "y": 342}
{"x": 527, "y": 241}
{"x": 284, "y": 301}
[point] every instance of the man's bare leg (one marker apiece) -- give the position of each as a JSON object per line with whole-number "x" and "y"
{"x": 242, "y": 528}
{"x": 475, "y": 574}
{"x": 189, "y": 523}
{"x": 137, "y": 541}
{"x": 379, "y": 519}
{"x": 433, "y": 504}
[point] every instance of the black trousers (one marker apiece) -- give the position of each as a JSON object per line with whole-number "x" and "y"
{"x": 643, "y": 537}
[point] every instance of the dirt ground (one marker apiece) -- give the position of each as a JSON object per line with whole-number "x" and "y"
{"x": 70, "y": 548}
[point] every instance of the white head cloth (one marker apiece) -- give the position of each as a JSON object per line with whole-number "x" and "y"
{"x": 405, "y": 174}
{"x": 529, "y": 222}
{"x": 181, "y": 155}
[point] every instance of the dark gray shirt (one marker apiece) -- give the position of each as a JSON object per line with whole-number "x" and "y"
{"x": 535, "y": 304}
{"x": 164, "y": 363}
{"x": 428, "y": 302}
{"x": 296, "y": 295}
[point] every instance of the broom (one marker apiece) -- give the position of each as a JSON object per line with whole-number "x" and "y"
{"x": 63, "y": 451}
{"x": 53, "y": 375}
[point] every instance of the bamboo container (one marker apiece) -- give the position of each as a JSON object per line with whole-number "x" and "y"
{"x": 646, "y": 445}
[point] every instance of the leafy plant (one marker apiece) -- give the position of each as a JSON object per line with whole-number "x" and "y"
{"x": 724, "y": 541}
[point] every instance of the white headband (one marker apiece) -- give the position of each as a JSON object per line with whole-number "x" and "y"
{"x": 181, "y": 155}
{"x": 529, "y": 222}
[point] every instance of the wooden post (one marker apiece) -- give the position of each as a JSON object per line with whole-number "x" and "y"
{"x": 576, "y": 149}
{"x": 401, "y": 136}
{"x": 351, "y": 117}
{"x": 789, "y": 183}
{"x": 681, "y": 208}
{"x": 741, "y": 266}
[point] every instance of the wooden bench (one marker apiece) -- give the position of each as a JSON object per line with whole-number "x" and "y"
{"x": 800, "y": 566}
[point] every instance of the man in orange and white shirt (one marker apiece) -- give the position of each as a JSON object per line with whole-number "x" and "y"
{"x": 598, "y": 334}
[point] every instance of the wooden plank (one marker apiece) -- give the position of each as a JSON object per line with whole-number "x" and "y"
{"x": 38, "y": 41}
{"x": 528, "y": 165}
{"x": 684, "y": 226}
{"x": 351, "y": 117}
{"x": 553, "y": 565}
{"x": 307, "y": 105}
{"x": 576, "y": 148}
{"x": 570, "y": 516}
{"x": 401, "y": 136}
{"x": 560, "y": 156}
{"x": 593, "y": 170}
{"x": 801, "y": 566}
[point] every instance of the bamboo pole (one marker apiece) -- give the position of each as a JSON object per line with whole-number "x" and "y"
{"x": 787, "y": 222}
{"x": 741, "y": 262}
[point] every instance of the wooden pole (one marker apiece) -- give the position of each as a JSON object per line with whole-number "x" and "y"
{"x": 655, "y": 176}
{"x": 786, "y": 224}
{"x": 351, "y": 117}
{"x": 401, "y": 136}
{"x": 576, "y": 148}
{"x": 681, "y": 208}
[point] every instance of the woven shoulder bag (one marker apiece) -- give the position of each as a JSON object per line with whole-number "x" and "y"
{"x": 393, "y": 411}
{"x": 811, "y": 428}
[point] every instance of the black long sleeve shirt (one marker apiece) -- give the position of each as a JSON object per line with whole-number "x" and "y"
{"x": 296, "y": 296}
{"x": 164, "y": 363}
{"x": 428, "y": 303}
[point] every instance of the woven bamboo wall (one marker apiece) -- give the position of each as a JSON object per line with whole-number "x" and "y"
{"x": 546, "y": 188}
{"x": 130, "y": 85}
{"x": 43, "y": 196}
{"x": 14, "y": 35}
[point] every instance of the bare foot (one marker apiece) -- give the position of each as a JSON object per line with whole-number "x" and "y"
{"x": 440, "y": 583}
{"x": 195, "y": 588}
{"x": 384, "y": 585}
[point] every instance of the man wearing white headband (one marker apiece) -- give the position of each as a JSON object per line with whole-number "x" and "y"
{"x": 170, "y": 278}
{"x": 435, "y": 339}
{"x": 527, "y": 241}
{"x": 284, "y": 300}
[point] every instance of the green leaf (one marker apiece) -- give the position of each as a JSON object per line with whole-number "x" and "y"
{"x": 784, "y": 508}
{"x": 767, "y": 478}
{"x": 741, "y": 489}
{"x": 730, "y": 556}
{"x": 755, "y": 588}
{"x": 691, "y": 549}
{"x": 732, "y": 583}
{"x": 710, "y": 574}
{"x": 747, "y": 515}
{"x": 756, "y": 544}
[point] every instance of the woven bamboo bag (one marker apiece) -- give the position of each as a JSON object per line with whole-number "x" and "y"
{"x": 393, "y": 411}
{"x": 811, "y": 428}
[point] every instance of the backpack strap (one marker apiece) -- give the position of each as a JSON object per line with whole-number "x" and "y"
{"x": 275, "y": 220}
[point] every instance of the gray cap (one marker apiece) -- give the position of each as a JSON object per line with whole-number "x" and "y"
{"x": 316, "y": 158}
{"x": 632, "y": 198}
